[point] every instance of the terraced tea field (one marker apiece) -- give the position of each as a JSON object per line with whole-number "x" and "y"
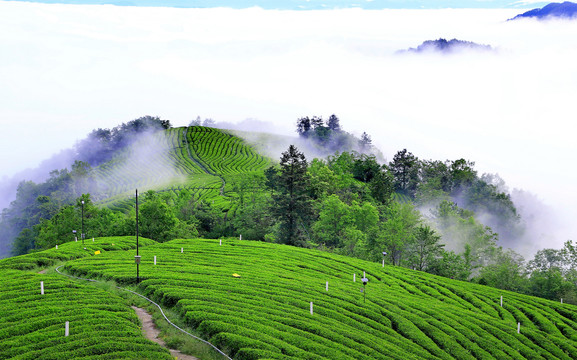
{"x": 194, "y": 158}
{"x": 268, "y": 301}
{"x": 100, "y": 325}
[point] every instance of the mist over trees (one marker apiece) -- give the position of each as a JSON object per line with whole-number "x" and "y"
{"x": 37, "y": 202}
{"x": 435, "y": 216}
{"x": 101, "y": 144}
{"x": 329, "y": 137}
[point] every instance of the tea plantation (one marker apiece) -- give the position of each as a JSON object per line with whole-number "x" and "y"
{"x": 100, "y": 325}
{"x": 266, "y": 301}
{"x": 196, "y": 158}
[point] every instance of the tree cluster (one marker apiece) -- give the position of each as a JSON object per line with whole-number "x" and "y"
{"x": 36, "y": 202}
{"x": 162, "y": 217}
{"x": 101, "y": 144}
{"x": 329, "y": 137}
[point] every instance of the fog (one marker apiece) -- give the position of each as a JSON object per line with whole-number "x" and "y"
{"x": 145, "y": 164}
{"x": 69, "y": 69}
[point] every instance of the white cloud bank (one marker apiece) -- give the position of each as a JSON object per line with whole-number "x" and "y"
{"x": 67, "y": 69}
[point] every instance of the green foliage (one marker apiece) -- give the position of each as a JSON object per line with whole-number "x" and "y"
{"x": 459, "y": 228}
{"x": 405, "y": 170}
{"x": 291, "y": 200}
{"x": 397, "y": 232}
{"x": 98, "y": 222}
{"x": 72, "y": 250}
{"x": 451, "y": 265}
{"x": 36, "y": 203}
{"x": 505, "y": 272}
{"x": 101, "y": 325}
{"x": 361, "y": 208}
{"x": 425, "y": 248}
{"x": 407, "y": 314}
{"x": 345, "y": 227}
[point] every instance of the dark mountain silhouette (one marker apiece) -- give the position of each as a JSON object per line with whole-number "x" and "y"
{"x": 443, "y": 46}
{"x": 554, "y": 10}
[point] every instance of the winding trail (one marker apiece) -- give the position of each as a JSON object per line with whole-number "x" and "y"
{"x": 155, "y": 304}
{"x": 151, "y": 332}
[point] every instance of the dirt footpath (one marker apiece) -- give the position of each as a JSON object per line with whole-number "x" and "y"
{"x": 151, "y": 333}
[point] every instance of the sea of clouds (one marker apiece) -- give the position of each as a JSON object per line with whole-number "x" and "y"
{"x": 67, "y": 69}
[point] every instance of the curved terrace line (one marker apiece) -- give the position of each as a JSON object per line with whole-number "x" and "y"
{"x": 154, "y": 303}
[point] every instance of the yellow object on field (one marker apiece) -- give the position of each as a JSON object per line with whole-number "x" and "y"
{"x": 236, "y": 275}
{"x": 97, "y": 252}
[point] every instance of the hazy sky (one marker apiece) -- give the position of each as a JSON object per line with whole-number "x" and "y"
{"x": 67, "y": 69}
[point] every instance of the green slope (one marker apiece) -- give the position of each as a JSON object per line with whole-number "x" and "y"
{"x": 197, "y": 158}
{"x": 266, "y": 312}
{"x": 101, "y": 324}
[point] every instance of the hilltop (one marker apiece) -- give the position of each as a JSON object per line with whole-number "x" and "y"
{"x": 440, "y": 217}
{"x": 285, "y": 302}
{"x": 565, "y": 10}
{"x": 446, "y": 46}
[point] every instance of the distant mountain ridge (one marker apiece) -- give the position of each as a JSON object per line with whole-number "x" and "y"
{"x": 554, "y": 10}
{"x": 446, "y": 46}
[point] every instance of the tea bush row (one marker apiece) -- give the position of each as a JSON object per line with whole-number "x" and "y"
{"x": 406, "y": 314}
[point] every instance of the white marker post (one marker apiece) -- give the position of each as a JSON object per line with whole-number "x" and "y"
{"x": 57, "y": 246}
{"x": 327, "y": 286}
{"x": 41, "y": 287}
{"x": 501, "y": 300}
{"x": 181, "y": 250}
{"x": 561, "y": 300}
{"x": 383, "y": 262}
{"x": 240, "y": 238}
{"x": 92, "y": 239}
{"x": 154, "y": 259}
{"x": 364, "y": 275}
{"x": 311, "y": 307}
{"x": 220, "y": 242}
{"x": 76, "y": 238}
{"x": 67, "y": 328}
{"x": 518, "y": 328}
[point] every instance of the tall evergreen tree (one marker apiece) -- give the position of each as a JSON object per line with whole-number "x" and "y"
{"x": 405, "y": 169}
{"x": 334, "y": 123}
{"x": 303, "y": 126}
{"x": 292, "y": 204}
{"x": 366, "y": 142}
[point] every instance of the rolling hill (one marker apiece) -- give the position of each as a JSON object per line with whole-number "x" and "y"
{"x": 283, "y": 303}
{"x": 444, "y": 46}
{"x": 197, "y": 158}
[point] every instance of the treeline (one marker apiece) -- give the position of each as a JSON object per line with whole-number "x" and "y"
{"x": 37, "y": 202}
{"x": 330, "y": 137}
{"x": 102, "y": 144}
{"x": 159, "y": 219}
{"x": 352, "y": 205}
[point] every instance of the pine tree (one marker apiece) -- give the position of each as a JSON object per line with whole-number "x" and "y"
{"x": 366, "y": 142}
{"x": 292, "y": 204}
{"x": 334, "y": 123}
